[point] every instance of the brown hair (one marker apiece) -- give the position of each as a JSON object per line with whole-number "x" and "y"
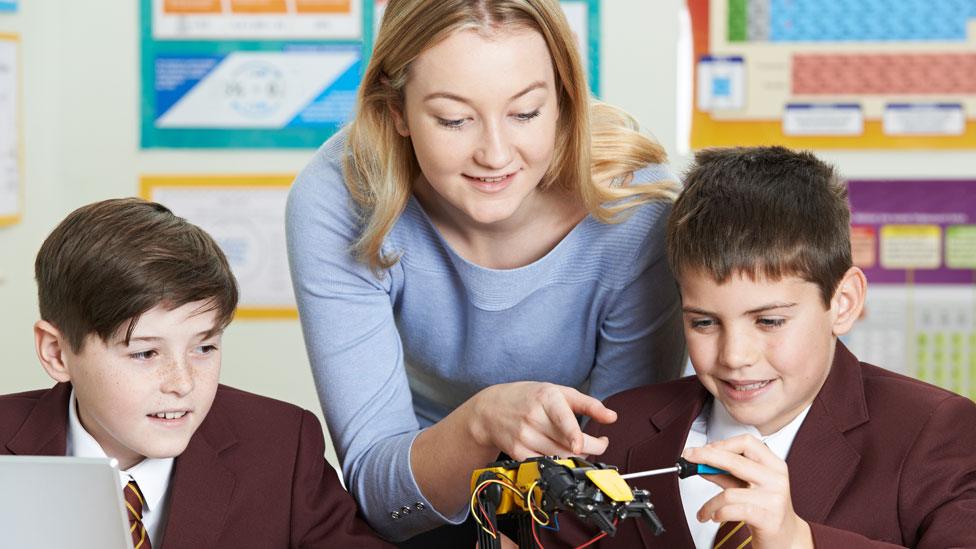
{"x": 109, "y": 262}
{"x": 762, "y": 211}
{"x": 595, "y": 143}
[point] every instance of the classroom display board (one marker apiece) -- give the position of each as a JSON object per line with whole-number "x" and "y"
{"x": 11, "y": 171}
{"x": 270, "y": 73}
{"x": 839, "y": 74}
{"x": 916, "y": 242}
{"x": 246, "y": 216}
{"x": 248, "y": 73}
{"x": 8, "y": 5}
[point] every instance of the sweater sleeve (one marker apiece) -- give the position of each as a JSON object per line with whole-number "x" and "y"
{"x": 355, "y": 351}
{"x": 641, "y": 339}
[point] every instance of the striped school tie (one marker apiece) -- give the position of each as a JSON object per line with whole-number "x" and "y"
{"x": 733, "y": 535}
{"x": 134, "y": 502}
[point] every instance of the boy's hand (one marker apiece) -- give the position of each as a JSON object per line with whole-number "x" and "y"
{"x": 757, "y": 491}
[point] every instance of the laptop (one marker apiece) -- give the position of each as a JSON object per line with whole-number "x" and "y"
{"x": 50, "y": 502}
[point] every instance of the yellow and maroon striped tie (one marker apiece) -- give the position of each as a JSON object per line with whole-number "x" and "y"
{"x": 134, "y": 502}
{"x": 733, "y": 535}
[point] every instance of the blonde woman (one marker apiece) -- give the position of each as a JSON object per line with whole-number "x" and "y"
{"x": 478, "y": 258}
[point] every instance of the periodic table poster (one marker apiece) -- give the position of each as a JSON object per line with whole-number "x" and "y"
{"x": 839, "y": 74}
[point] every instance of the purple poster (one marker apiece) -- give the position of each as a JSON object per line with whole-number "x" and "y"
{"x": 914, "y": 231}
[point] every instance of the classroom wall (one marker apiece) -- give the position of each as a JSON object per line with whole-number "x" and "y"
{"x": 81, "y": 129}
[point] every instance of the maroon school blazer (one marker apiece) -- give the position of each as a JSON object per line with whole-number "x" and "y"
{"x": 253, "y": 474}
{"x": 881, "y": 460}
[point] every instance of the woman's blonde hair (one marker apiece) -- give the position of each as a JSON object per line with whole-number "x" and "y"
{"x": 592, "y": 162}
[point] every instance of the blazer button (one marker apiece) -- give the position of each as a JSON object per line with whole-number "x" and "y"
{"x": 404, "y": 511}
{"x": 419, "y": 506}
{"x": 394, "y": 515}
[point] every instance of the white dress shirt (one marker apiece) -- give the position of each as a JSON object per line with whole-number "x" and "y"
{"x": 713, "y": 424}
{"x": 151, "y": 475}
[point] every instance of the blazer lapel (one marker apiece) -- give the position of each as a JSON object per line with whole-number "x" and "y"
{"x": 201, "y": 487}
{"x": 821, "y": 461}
{"x": 45, "y": 431}
{"x": 662, "y": 449}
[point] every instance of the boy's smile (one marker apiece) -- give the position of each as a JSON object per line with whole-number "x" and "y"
{"x": 762, "y": 348}
{"x": 147, "y": 398}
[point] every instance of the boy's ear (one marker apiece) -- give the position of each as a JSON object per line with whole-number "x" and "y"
{"x": 848, "y": 300}
{"x": 50, "y": 346}
{"x": 399, "y": 121}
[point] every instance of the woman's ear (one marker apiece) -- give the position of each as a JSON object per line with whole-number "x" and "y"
{"x": 50, "y": 345}
{"x": 848, "y": 300}
{"x": 399, "y": 120}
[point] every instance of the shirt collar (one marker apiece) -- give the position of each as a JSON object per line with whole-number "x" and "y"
{"x": 721, "y": 425}
{"x": 152, "y": 475}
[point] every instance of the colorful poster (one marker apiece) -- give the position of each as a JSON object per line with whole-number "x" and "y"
{"x": 11, "y": 174}
{"x": 916, "y": 242}
{"x": 246, "y": 216}
{"x": 281, "y": 89}
{"x": 840, "y": 74}
{"x": 8, "y": 5}
{"x": 256, "y": 19}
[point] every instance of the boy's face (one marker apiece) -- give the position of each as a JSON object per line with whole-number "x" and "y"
{"x": 147, "y": 398}
{"x": 762, "y": 348}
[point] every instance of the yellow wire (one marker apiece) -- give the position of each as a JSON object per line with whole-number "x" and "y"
{"x": 474, "y": 495}
{"x": 528, "y": 503}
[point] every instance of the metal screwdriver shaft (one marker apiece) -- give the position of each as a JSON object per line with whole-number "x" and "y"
{"x": 684, "y": 468}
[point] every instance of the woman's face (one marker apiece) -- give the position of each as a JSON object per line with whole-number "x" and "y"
{"x": 481, "y": 112}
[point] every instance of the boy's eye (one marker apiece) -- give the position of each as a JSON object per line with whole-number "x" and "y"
{"x": 206, "y": 349}
{"x": 143, "y": 355}
{"x": 449, "y": 123}
{"x": 526, "y": 116}
{"x": 771, "y": 322}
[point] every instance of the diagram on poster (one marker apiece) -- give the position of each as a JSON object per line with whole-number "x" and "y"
{"x": 834, "y": 73}
{"x": 246, "y": 216}
{"x": 916, "y": 242}
{"x": 295, "y": 87}
{"x": 256, "y": 19}
{"x": 10, "y": 156}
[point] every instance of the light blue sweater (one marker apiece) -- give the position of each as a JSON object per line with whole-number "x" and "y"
{"x": 392, "y": 355}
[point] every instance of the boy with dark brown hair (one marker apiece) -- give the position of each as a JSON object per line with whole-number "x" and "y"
{"x": 133, "y": 301}
{"x": 822, "y": 450}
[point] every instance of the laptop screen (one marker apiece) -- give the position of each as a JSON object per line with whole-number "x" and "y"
{"x": 61, "y": 502}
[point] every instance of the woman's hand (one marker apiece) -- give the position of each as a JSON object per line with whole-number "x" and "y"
{"x": 529, "y": 418}
{"x": 756, "y": 491}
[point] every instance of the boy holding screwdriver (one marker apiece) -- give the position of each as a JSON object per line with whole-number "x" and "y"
{"x": 821, "y": 450}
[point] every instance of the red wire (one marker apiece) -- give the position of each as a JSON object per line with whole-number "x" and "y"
{"x": 536, "y": 536}
{"x": 596, "y": 539}
{"x": 484, "y": 513}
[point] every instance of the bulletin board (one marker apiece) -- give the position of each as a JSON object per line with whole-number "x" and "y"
{"x": 837, "y": 74}
{"x": 916, "y": 242}
{"x": 246, "y": 217}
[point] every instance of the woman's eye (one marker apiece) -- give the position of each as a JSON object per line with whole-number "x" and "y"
{"x": 526, "y": 116}
{"x": 448, "y": 123}
{"x": 143, "y": 355}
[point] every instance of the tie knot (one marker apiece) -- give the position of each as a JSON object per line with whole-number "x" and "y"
{"x": 134, "y": 500}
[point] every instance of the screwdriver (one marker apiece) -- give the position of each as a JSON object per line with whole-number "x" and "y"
{"x": 684, "y": 468}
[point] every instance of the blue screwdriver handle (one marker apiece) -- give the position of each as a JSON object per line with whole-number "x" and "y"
{"x": 687, "y": 469}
